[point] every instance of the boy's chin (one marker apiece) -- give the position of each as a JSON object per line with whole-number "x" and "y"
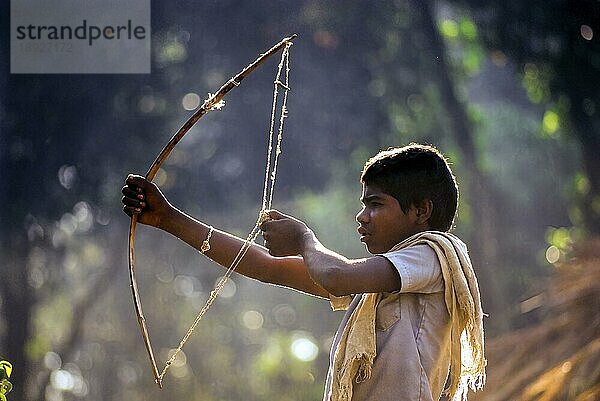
{"x": 374, "y": 250}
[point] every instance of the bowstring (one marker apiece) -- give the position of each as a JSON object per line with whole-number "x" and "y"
{"x": 282, "y": 116}
{"x": 267, "y": 200}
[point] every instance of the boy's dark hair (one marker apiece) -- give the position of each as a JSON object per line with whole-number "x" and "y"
{"x": 412, "y": 174}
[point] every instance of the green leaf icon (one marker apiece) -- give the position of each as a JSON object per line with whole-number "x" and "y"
{"x": 7, "y": 367}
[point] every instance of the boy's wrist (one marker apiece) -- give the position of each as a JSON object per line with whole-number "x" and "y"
{"x": 168, "y": 220}
{"x": 309, "y": 242}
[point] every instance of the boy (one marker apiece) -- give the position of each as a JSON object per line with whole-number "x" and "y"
{"x": 407, "y": 306}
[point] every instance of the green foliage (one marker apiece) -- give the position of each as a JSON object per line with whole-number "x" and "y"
{"x": 449, "y": 29}
{"x": 536, "y": 80}
{"x": 5, "y": 385}
{"x": 550, "y": 123}
{"x": 463, "y": 41}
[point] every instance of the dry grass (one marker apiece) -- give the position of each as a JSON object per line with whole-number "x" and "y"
{"x": 559, "y": 358}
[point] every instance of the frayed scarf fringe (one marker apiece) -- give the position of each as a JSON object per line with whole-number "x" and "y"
{"x": 363, "y": 372}
{"x": 473, "y": 382}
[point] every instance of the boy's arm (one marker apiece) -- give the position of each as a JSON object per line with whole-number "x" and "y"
{"x": 337, "y": 274}
{"x": 341, "y": 276}
{"x": 145, "y": 199}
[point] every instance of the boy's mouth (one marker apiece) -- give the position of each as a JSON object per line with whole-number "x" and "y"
{"x": 363, "y": 233}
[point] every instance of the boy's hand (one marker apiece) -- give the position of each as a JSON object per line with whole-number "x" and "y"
{"x": 284, "y": 235}
{"x": 143, "y": 198}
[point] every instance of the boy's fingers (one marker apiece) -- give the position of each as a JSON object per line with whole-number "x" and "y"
{"x": 264, "y": 226}
{"x": 136, "y": 180}
{"x": 276, "y": 215}
{"x": 132, "y": 202}
{"x": 130, "y": 210}
{"x": 129, "y": 191}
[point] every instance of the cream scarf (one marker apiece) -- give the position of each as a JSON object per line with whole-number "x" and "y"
{"x": 356, "y": 350}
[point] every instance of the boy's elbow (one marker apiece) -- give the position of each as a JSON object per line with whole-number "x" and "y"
{"x": 332, "y": 280}
{"x": 338, "y": 292}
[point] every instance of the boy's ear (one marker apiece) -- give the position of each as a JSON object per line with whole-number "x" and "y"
{"x": 424, "y": 210}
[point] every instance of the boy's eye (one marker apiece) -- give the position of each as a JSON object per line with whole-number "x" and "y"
{"x": 371, "y": 203}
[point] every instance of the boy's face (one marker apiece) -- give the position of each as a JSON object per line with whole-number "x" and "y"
{"x": 382, "y": 223}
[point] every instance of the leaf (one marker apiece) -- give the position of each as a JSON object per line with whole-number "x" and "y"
{"x": 550, "y": 123}
{"x": 5, "y": 387}
{"x": 7, "y": 367}
{"x": 449, "y": 29}
{"x": 468, "y": 28}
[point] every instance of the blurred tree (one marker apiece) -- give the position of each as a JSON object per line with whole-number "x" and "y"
{"x": 481, "y": 191}
{"x": 558, "y": 47}
{"x": 58, "y": 182}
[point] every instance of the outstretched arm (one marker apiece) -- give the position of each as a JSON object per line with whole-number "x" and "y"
{"x": 145, "y": 199}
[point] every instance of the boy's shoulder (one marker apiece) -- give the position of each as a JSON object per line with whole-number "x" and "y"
{"x": 418, "y": 267}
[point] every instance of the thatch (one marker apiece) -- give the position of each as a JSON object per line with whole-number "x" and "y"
{"x": 559, "y": 358}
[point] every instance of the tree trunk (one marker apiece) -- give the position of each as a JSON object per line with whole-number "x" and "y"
{"x": 576, "y": 72}
{"x": 587, "y": 132}
{"x": 17, "y": 306}
{"x": 484, "y": 244}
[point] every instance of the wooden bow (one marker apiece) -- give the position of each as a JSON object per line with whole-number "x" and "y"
{"x": 212, "y": 102}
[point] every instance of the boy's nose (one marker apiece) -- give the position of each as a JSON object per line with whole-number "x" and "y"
{"x": 362, "y": 217}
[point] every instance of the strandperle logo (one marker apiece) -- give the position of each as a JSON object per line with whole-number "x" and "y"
{"x": 85, "y": 31}
{"x": 80, "y": 37}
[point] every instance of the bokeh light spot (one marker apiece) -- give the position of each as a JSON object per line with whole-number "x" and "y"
{"x": 146, "y": 104}
{"x": 304, "y": 349}
{"x": 229, "y": 289}
{"x": 161, "y": 177}
{"x": 190, "y": 101}
{"x": 180, "y": 359}
{"x": 52, "y": 361}
{"x": 165, "y": 273}
{"x": 582, "y": 184}
{"x": 325, "y": 39}
{"x": 552, "y": 254}
{"x": 285, "y": 314}
{"x": 62, "y": 380}
{"x": 67, "y": 176}
{"x": 183, "y": 286}
{"x": 586, "y": 32}
{"x": 67, "y": 223}
{"x": 449, "y": 28}
{"x": 468, "y": 29}
{"x": 84, "y": 216}
{"x": 550, "y": 122}
{"x": 253, "y": 319}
